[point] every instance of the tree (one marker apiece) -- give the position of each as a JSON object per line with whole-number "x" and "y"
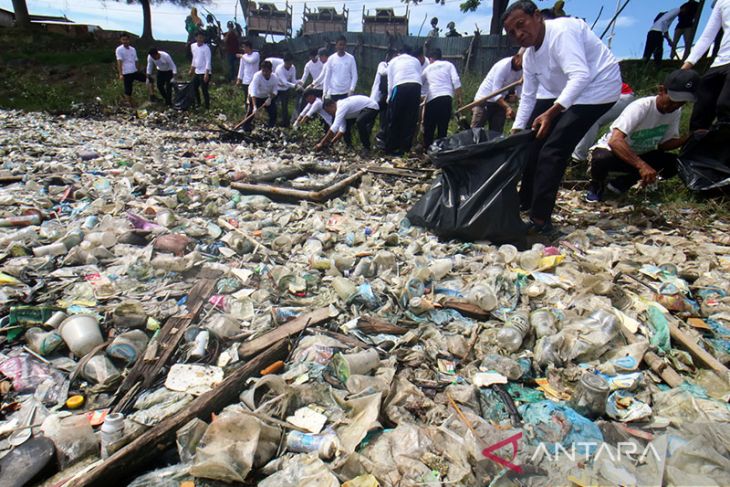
{"x": 147, "y": 11}
{"x": 22, "y": 19}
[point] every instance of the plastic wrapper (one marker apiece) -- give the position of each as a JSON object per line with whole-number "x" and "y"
{"x": 704, "y": 163}
{"x": 100, "y": 370}
{"x": 302, "y": 471}
{"x": 73, "y": 436}
{"x": 232, "y": 445}
{"x": 188, "y": 438}
{"x": 29, "y": 375}
{"x": 153, "y": 407}
{"x": 475, "y": 198}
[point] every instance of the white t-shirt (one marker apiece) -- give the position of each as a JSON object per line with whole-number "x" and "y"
{"x": 261, "y": 87}
{"x": 440, "y": 79}
{"x": 572, "y": 61}
{"x": 165, "y": 63}
{"x": 248, "y": 66}
{"x": 201, "y": 58}
{"x": 402, "y": 69}
{"x": 287, "y": 77}
{"x": 719, "y": 19}
{"x": 663, "y": 23}
{"x": 375, "y": 93}
{"x": 128, "y": 57}
{"x": 315, "y": 108}
{"x": 349, "y": 108}
{"x": 498, "y": 77}
{"x": 313, "y": 69}
{"x": 340, "y": 76}
{"x": 645, "y": 126}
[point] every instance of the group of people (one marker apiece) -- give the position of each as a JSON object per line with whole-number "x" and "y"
{"x": 685, "y": 15}
{"x": 571, "y": 86}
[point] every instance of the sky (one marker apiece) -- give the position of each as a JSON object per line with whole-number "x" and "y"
{"x": 168, "y": 20}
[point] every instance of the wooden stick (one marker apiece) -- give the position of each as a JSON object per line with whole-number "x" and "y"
{"x": 664, "y": 370}
{"x": 484, "y": 100}
{"x": 699, "y": 353}
{"x": 293, "y": 327}
{"x": 245, "y": 120}
{"x": 128, "y": 461}
{"x": 297, "y": 194}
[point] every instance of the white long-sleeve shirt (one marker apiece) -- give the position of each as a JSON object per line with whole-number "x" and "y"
{"x": 340, "y": 75}
{"x": 573, "y": 62}
{"x": 315, "y": 108}
{"x": 318, "y": 82}
{"x": 497, "y": 78}
{"x": 128, "y": 57}
{"x": 402, "y": 69}
{"x": 202, "y": 58}
{"x": 313, "y": 69}
{"x": 261, "y": 87}
{"x": 349, "y": 108}
{"x": 381, "y": 72}
{"x": 719, "y": 19}
{"x": 287, "y": 77}
{"x": 440, "y": 79}
{"x": 663, "y": 23}
{"x": 248, "y": 66}
{"x": 275, "y": 62}
{"x": 165, "y": 63}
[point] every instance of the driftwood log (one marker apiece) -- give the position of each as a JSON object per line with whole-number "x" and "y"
{"x": 277, "y": 192}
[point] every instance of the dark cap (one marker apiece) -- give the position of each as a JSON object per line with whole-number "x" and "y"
{"x": 682, "y": 85}
{"x": 323, "y": 52}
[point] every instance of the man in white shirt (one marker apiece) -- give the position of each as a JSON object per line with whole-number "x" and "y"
{"x": 713, "y": 95}
{"x": 340, "y": 73}
{"x": 201, "y": 67}
{"x": 404, "y": 100}
{"x": 638, "y": 141}
{"x": 379, "y": 94}
{"x": 248, "y": 66}
{"x": 440, "y": 83}
{"x": 356, "y": 110}
{"x": 313, "y": 68}
{"x": 126, "y": 57}
{"x": 495, "y": 112}
{"x": 656, "y": 35}
{"x": 565, "y": 58}
{"x": 287, "y": 74}
{"x": 313, "y": 106}
{"x": 262, "y": 91}
{"x": 166, "y": 71}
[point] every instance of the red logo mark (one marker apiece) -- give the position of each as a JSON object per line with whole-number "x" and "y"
{"x": 487, "y": 452}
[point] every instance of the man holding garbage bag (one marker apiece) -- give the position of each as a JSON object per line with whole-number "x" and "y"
{"x": 568, "y": 61}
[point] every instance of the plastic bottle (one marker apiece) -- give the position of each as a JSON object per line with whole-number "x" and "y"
{"x": 128, "y": 346}
{"x": 530, "y": 260}
{"x": 511, "y": 336}
{"x": 112, "y": 431}
{"x": 20, "y": 221}
{"x": 482, "y": 296}
{"x": 543, "y": 323}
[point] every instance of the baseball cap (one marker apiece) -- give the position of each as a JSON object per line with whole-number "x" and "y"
{"x": 682, "y": 85}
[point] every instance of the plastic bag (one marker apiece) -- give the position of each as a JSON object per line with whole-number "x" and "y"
{"x": 73, "y": 436}
{"x": 555, "y": 423}
{"x": 302, "y": 471}
{"x": 100, "y": 370}
{"x": 232, "y": 445}
{"x": 704, "y": 164}
{"x": 184, "y": 96}
{"x": 155, "y": 406}
{"x": 188, "y": 438}
{"x": 28, "y": 374}
{"x": 475, "y": 198}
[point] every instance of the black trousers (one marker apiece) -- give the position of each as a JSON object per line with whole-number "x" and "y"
{"x": 654, "y": 46}
{"x": 383, "y": 118}
{"x": 271, "y": 109}
{"x": 549, "y": 157}
{"x": 364, "y": 123}
{"x": 713, "y": 99}
{"x": 198, "y": 83}
{"x": 403, "y": 109}
{"x": 496, "y": 117}
{"x": 436, "y": 119}
{"x": 604, "y": 161}
{"x": 129, "y": 80}
{"x": 282, "y": 102}
{"x": 164, "y": 85}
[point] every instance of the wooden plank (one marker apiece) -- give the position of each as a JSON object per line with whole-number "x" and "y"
{"x": 171, "y": 334}
{"x": 699, "y": 353}
{"x": 664, "y": 370}
{"x": 128, "y": 461}
{"x": 286, "y": 330}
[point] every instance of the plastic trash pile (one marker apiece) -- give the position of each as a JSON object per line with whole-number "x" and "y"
{"x": 597, "y": 361}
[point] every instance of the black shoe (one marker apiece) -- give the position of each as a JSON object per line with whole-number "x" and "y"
{"x": 546, "y": 230}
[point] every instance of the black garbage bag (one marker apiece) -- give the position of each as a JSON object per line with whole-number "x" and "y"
{"x": 704, "y": 163}
{"x": 184, "y": 96}
{"x": 475, "y": 197}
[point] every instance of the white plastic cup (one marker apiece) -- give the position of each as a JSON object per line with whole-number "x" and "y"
{"x": 81, "y": 333}
{"x": 101, "y": 239}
